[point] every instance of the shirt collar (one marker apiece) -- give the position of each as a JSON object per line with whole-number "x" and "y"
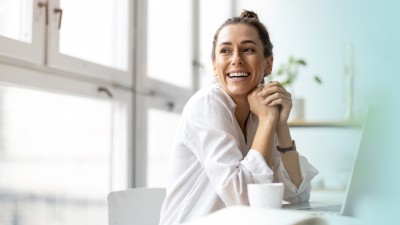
{"x": 232, "y": 105}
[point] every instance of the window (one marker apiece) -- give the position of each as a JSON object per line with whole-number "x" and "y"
{"x": 58, "y": 153}
{"x": 169, "y": 58}
{"x": 212, "y": 15}
{"x": 165, "y": 73}
{"x": 19, "y": 16}
{"x": 176, "y": 63}
{"x": 66, "y": 110}
{"x": 89, "y": 39}
{"x": 22, "y": 30}
{"x": 106, "y": 26}
{"x": 159, "y": 144}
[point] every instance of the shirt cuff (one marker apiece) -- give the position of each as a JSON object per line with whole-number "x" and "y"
{"x": 255, "y": 163}
{"x": 292, "y": 193}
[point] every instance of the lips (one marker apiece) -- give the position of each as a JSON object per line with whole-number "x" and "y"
{"x": 238, "y": 74}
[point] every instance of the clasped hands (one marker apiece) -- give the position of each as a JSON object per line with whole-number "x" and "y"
{"x": 271, "y": 102}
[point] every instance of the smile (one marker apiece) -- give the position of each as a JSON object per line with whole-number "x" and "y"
{"x": 238, "y": 75}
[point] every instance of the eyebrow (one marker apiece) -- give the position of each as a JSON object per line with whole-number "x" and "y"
{"x": 243, "y": 42}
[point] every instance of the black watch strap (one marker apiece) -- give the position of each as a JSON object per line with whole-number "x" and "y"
{"x": 291, "y": 148}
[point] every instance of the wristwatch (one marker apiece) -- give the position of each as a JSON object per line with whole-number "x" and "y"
{"x": 291, "y": 148}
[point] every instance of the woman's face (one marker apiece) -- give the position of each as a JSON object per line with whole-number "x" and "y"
{"x": 239, "y": 62}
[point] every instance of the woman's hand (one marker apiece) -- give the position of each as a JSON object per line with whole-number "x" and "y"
{"x": 274, "y": 94}
{"x": 262, "y": 111}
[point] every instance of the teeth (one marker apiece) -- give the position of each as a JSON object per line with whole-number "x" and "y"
{"x": 235, "y": 75}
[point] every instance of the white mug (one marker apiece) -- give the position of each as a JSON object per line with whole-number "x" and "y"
{"x": 268, "y": 195}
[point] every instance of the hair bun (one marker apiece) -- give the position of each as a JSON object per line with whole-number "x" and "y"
{"x": 248, "y": 14}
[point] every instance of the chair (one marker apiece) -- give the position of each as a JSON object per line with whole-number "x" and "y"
{"x": 137, "y": 206}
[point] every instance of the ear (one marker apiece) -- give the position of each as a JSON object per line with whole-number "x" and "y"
{"x": 214, "y": 68}
{"x": 269, "y": 63}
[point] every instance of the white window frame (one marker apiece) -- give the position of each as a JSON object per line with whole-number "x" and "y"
{"x": 44, "y": 49}
{"x": 27, "y": 65}
{"x": 78, "y": 66}
{"x": 31, "y": 52}
{"x": 156, "y": 94}
{"x": 148, "y": 85}
{"x": 46, "y": 81}
{"x": 141, "y": 130}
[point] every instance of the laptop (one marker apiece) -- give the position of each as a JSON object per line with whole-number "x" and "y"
{"x": 358, "y": 186}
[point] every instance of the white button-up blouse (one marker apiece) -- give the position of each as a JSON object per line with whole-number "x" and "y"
{"x": 211, "y": 162}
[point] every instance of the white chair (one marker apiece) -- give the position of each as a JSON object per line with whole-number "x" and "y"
{"x": 137, "y": 206}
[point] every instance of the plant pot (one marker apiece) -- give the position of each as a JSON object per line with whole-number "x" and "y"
{"x": 297, "y": 112}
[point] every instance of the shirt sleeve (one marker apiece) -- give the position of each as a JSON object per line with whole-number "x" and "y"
{"x": 293, "y": 194}
{"x": 209, "y": 133}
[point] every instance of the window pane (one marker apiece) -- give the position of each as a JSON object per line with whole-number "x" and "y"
{"x": 169, "y": 44}
{"x": 96, "y": 31}
{"x": 55, "y": 158}
{"x": 212, "y": 15}
{"x": 162, "y": 128}
{"x": 16, "y": 20}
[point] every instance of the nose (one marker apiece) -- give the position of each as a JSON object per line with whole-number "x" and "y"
{"x": 237, "y": 59}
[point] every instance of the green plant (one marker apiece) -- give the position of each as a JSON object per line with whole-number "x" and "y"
{"x": 287, "y": 73}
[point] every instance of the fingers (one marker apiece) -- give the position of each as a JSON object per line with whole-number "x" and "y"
{"x": 272, "y": 94}
{"x": 276, "y": 97}
{"x": 255, "y": 91}
{"x": 273, "y": 87}
{"x": 275, "y": 94}
{"x": 273, "y": 84}
{"x": 283, "y": 102}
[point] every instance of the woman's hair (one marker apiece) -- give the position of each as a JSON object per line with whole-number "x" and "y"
{"x": 249, "y": 18}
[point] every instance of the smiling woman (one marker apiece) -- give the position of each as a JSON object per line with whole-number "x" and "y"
{"x": 239, "y": 62}
{"x": 229, "y": 133}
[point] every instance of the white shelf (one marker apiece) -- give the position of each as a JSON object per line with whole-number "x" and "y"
{"x": 338, "y": 124}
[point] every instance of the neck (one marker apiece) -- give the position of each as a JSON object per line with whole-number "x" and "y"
{"x": 242, "y": 111}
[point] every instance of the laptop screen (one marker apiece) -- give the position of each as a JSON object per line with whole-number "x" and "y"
{"x": 369, "y": 185}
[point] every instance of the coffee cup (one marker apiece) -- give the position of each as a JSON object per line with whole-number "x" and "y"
{"x": 267, "y": 195}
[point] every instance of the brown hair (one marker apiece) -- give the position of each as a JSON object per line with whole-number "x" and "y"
{"x": 249, "y": 18}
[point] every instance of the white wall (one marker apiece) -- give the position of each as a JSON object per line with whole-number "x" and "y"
{"x": 318, "y": 31}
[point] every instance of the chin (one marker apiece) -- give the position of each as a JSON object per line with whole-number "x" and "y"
{"x": 239, "y": 91}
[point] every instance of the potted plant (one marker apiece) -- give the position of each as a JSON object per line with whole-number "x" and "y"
{"x": 287, "y": 74}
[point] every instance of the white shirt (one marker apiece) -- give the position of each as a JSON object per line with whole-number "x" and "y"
{"x": 211, "y": 163}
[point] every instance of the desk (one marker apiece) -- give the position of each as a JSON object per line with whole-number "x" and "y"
{"x": 236, "y": 215}
{"x": 321, "y": 200}
{"x": 328, "y": 195}
{"x": 334, "y": 198}
{"x": 240, "y": 215}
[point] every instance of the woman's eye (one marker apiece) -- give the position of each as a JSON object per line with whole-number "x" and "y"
{"x": 224, "y": 50}
{"x": 248, "y": 50}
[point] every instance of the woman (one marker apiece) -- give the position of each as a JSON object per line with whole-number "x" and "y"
{"x": 236, "y": 132}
